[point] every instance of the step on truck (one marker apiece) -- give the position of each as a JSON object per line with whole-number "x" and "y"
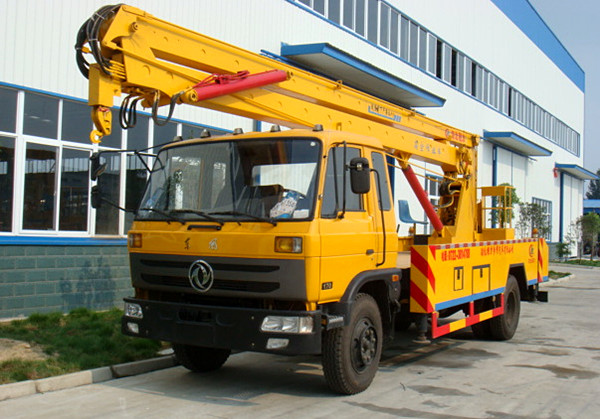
{"x": 285, "y": 241}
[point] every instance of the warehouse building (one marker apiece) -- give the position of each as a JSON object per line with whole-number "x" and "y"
{"x": 490, "y": 67}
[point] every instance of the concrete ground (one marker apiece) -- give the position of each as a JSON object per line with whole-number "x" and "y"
{"x": 550, "y": 369}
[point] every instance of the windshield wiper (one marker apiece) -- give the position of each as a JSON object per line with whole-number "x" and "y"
{"x": 200, "y": 213}
{"x": 245, "y": 214}
{"x": 163, "y": 213}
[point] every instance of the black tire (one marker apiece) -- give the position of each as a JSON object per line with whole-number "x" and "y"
{"x": 504, "y": 327}
{"x": 351, "y": 353}
{"x": 200, "y": 359}
{"x": 482, "y": 330}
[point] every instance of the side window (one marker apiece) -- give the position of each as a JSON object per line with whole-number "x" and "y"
{"x": 334, "y": 183}
{"x": 380, "y": 166}
{"x": 432, "y": 183}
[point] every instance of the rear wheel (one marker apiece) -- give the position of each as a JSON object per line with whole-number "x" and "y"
{"x": 351, "y": 353}
{"x": 504, "y": 327}
{"x": 199, "y": 358}
{"x": 482, "y": 330}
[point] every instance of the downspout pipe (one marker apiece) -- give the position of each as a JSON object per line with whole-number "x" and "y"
{"x": 561, "y": 207}
{"x": 494, "y": 176}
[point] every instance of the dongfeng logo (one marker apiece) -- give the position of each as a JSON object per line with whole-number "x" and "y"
{"x": 201, "y": 276}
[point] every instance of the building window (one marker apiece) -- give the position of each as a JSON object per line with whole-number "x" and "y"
{"x": 446, "y": 62}
{"x": 333, "y": 11}
{"x": 454, "y": 68}
{"x": 413, "y": 55}
{"x": 485, "y": 85}
{"x": 74, "y": 190}
{"x": 505, "y": 97}
{"x": 8, "y": 110}
{"x": 460, "y": 71}
{"x": 432, "y": 187}
{"x": 41, "y": 115}
{"x": 546, "y": 207}
{"x": 40, "y": 187}
{"x": 319, "y": 6}
{"x": 359, "y": 17}
{"x": 468, "y": 76}
{"x": 137, "y": 137}
{"x": 135, "y": 182}
{"x": 373, "y": 20}
{"x": 387, "y": 27}
{"x": 164, "y": 134}
{"x": 349, "y": 14}
{"x": 422, "y": 49}
{"x": 394, "y": 31}
{"x": 53, "y": 184}
{"x": 432, "y": 54}
{"x": 7, "y": 181}
{"x": 439, "y": 59}
{"x": 107, "y": 216}
{"x": 404, "y": 35}
{"x": 76, "y": 122}
{"x": 384, "y": 34}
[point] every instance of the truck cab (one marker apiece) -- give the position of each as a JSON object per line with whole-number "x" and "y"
{"x": 258, "y": 241}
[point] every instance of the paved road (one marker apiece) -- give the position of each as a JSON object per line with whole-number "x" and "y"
{"x": 551, "y": 369}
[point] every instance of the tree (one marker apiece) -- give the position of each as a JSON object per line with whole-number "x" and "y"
{"x": 532, "y": 216}
{"x": 594, "y": 188}
{"x": 574, "y": 237}
{"x": 590, "y": 228}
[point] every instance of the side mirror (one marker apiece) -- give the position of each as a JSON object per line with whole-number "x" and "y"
{"x": 97, "y": 169}
{"x": 96, "y": 197}
{"x": 360, "y": 175}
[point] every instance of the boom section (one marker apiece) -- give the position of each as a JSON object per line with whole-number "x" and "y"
{"x": 164, "y": 64}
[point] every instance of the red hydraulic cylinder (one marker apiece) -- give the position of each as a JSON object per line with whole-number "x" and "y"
{"x": 221, "y": 85}
{"x": 423, "y": 198}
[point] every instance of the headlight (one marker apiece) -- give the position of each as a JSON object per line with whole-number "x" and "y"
{"x": 134, "y": 310}
{"x": 277, "y": 343}
{"x": 133, "y": 328}
{"x": 287, "y": 324}
{"x": 134, "y": 240}
{"x": 288, "y": 244}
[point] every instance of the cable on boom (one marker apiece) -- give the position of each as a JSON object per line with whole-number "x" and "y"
{"x": 89, "y": 33}
{"x": 128, "y": 112}
{"x": 171, "y": 108}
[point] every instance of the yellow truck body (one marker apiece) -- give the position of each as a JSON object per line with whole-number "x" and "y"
{"x": 285, "y": 241}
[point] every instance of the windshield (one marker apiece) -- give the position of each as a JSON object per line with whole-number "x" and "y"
{"x": 246, "y": 180}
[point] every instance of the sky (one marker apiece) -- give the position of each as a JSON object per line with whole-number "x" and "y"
{"x": 575, "y": 23}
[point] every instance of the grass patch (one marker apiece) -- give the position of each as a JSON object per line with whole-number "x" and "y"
{"x": 81, "y": 340}
{"x": 557, "y": 275}
{"x": 583, "y": 262}
{"x": 20, "y": 370}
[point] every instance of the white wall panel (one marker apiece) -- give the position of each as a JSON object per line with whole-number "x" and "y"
{"x": 37, "y": 52}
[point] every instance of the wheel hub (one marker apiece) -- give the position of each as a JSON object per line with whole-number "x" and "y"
{"x": 365, "y": 345}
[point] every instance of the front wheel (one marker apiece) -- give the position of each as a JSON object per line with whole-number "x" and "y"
{"x": 351, "y": 353}
{"x": 504, "y": 327}
{"x": 199, "y": 358}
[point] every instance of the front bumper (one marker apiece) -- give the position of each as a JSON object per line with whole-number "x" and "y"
{"x": 219, "y": 327}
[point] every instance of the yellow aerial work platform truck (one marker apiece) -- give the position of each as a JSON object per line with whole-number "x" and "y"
{"x": 285, "y": 241}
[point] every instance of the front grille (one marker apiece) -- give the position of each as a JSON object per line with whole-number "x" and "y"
{"x": 219, "y": 284}
{"x": 240, "y": 277}
{"x": 231, "y": 267}
{"x": 173, "y": 281}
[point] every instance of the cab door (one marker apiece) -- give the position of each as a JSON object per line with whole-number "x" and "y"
{"x": 347, "y": 227}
